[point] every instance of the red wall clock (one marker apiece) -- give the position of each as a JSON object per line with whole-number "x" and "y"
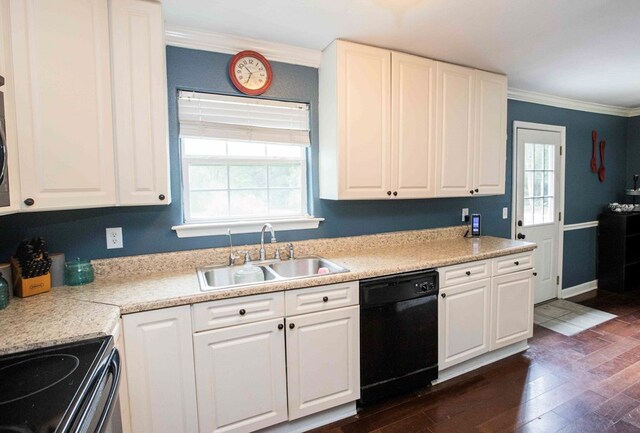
{"x": 250, "y": 72}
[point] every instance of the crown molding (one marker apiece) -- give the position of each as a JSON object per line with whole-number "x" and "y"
{"x": 186, "y": 37}
{"x": 571, "y": 104}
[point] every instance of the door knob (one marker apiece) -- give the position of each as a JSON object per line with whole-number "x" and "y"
{"x": 444, "y": 295}
{"x": 388, "y": 192}
{"x": 521, "y": 236}
{"x": 519, "y": 223}
{"x": 471, "y": 191}
{"x": 29, "y": 202}
{"x": 280, "y": 326}
{"x": 292, "y": 325}
{"x": 395, "y": 193}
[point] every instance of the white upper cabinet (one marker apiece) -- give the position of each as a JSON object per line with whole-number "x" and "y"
{"x": 140, "y": 102}
{"x": 455, "y": 132}
{"x": 90, "y": 107}
{"x": 393, "y": 125}
{"x": 413, "y": 109}
{"x": 62, "y": 81}
{"x": 471, "y": 132}
{"x": 355, "y": 120}
{"x": 491, "y": 133}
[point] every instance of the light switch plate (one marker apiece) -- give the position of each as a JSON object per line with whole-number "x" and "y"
{"x": 505, "y": 213}
{"x": 114, "y": 238}
{"x": 465, "y": 212}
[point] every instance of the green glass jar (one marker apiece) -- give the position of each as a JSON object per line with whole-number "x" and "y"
{"x": 4, "y": 292}
{"x": 78, "y": 272}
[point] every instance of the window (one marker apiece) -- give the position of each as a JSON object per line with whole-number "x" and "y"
{"x": 539, "y": 183}
{"x": 243, "y": 159}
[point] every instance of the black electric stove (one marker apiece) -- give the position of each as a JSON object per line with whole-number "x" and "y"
{"x": 66, "y": 388}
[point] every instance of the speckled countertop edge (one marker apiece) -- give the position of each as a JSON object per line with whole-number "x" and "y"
{"x": 68, "y": 314}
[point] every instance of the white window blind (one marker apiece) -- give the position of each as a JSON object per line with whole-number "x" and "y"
{"x": 233, "y": 118}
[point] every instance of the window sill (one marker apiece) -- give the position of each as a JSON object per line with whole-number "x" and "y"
{"x": 211, "y": 229}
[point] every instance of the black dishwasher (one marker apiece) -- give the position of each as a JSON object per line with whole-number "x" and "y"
{"x": 398, "y": 334}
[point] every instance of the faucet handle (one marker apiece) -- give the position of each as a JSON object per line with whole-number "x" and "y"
{"x": 233, "y": 256}
{"x": 247, "y": 256}
{"x": 277, "y": 254}
{"x": 291, "y": 252}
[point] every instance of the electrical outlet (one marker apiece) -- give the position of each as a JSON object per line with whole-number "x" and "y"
{"x": 465, "y": 213}
{"x": 114, "y": 238}
{"x": 505, "y": 213}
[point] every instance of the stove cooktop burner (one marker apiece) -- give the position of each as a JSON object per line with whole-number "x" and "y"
{"x": 31, "y": 376}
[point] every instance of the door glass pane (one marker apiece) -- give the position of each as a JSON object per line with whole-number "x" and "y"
{"x": 538, "y": 184}
{"x": 528, "y": 211}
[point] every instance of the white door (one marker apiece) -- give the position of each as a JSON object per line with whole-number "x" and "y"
{"x": 160, "y": 374}
{"x": 364, "y": 120}
{"x": 463, "y": 322}
{"x": 538, "y": 202}
{"x": 63, "y": 103}
{"x": 413, "y": 87}
{"x": 323, "y": 360}
{"x": 512, "y": 308}
{"x": 455, "y": 134}
{"x": 241, "y": 377}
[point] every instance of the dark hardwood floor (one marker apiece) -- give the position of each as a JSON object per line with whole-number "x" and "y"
{"x": 586, "y": 383}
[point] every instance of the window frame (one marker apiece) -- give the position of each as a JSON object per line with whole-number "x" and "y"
{"x": 186, "y": 161}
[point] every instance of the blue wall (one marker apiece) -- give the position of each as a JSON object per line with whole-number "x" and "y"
{"x": 148, "y": 229}
{"x": 633, "y": 150}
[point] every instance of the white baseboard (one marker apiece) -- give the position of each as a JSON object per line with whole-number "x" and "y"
{"x": 579, "y": 289}
{"x": 480, "y": 361}
{"x": 314, "y": 421}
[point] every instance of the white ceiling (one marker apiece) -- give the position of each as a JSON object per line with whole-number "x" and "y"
{"x": 587, "y": 50}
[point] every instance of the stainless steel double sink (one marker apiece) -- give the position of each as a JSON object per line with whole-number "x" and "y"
{"x": 221, "y": 277}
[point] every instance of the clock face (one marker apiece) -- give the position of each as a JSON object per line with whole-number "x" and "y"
{"x": 250, "y": 72}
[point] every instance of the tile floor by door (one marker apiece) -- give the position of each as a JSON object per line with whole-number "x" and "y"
{"x": 588, "y": 382}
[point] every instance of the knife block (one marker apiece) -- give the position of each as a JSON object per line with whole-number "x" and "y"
{"x": 24, "y": 287}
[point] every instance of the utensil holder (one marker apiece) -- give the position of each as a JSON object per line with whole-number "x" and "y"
{"x": 25, "y": 287}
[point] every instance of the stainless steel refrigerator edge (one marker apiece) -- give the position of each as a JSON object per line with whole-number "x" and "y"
{"x": 4, "y": 174}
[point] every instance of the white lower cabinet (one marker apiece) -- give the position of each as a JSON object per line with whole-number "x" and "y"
{"x": 485, "y": 315}
{"x": 160, "y": 375}
{"x": 254, "y": 375}
{"x": 323, "y": 360}
{"x": 241, "y": 377}
{"x": 512, "y": 305}
{"x": 464, "y": 322}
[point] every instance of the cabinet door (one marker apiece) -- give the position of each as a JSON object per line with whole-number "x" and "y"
{"x": 491, "y": 133}
{"x": 323, "y": 360}
{"x": 463, "y": 322}
{"x": 512, "y": 308}
{"x": 364, "y": 120}
{"x": 160, "y": 372}
{"x": 241, "y": 377}
{"x": 63, "y": 102}
{"x": 140, "y": 101}
{"x": 455, "y": 130}
{"x": 413, "y": 89}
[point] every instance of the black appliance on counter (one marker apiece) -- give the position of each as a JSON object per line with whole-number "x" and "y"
{"x": 398, "y": 334}
{"x": 4, "y": 171}
{"x": 71, "y": 388}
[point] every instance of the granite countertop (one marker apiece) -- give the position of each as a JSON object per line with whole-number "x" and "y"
{"x": 53, "y": 318}
{"x": 74, "y": 313}
{"x": 160, "y": 290}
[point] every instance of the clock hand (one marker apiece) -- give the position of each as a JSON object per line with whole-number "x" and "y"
{"x": 250, "y": 74}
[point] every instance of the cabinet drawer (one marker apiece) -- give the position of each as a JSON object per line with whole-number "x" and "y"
{"x": 464, "y": 273}
{"x": 321, "y": 298}
{"x": 235, "y": 311}
{"x": 512, "y": 263}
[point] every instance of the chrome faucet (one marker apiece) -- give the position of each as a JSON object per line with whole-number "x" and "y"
{"x": 232, "y": 256}
{"x": 262, "y": 253}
